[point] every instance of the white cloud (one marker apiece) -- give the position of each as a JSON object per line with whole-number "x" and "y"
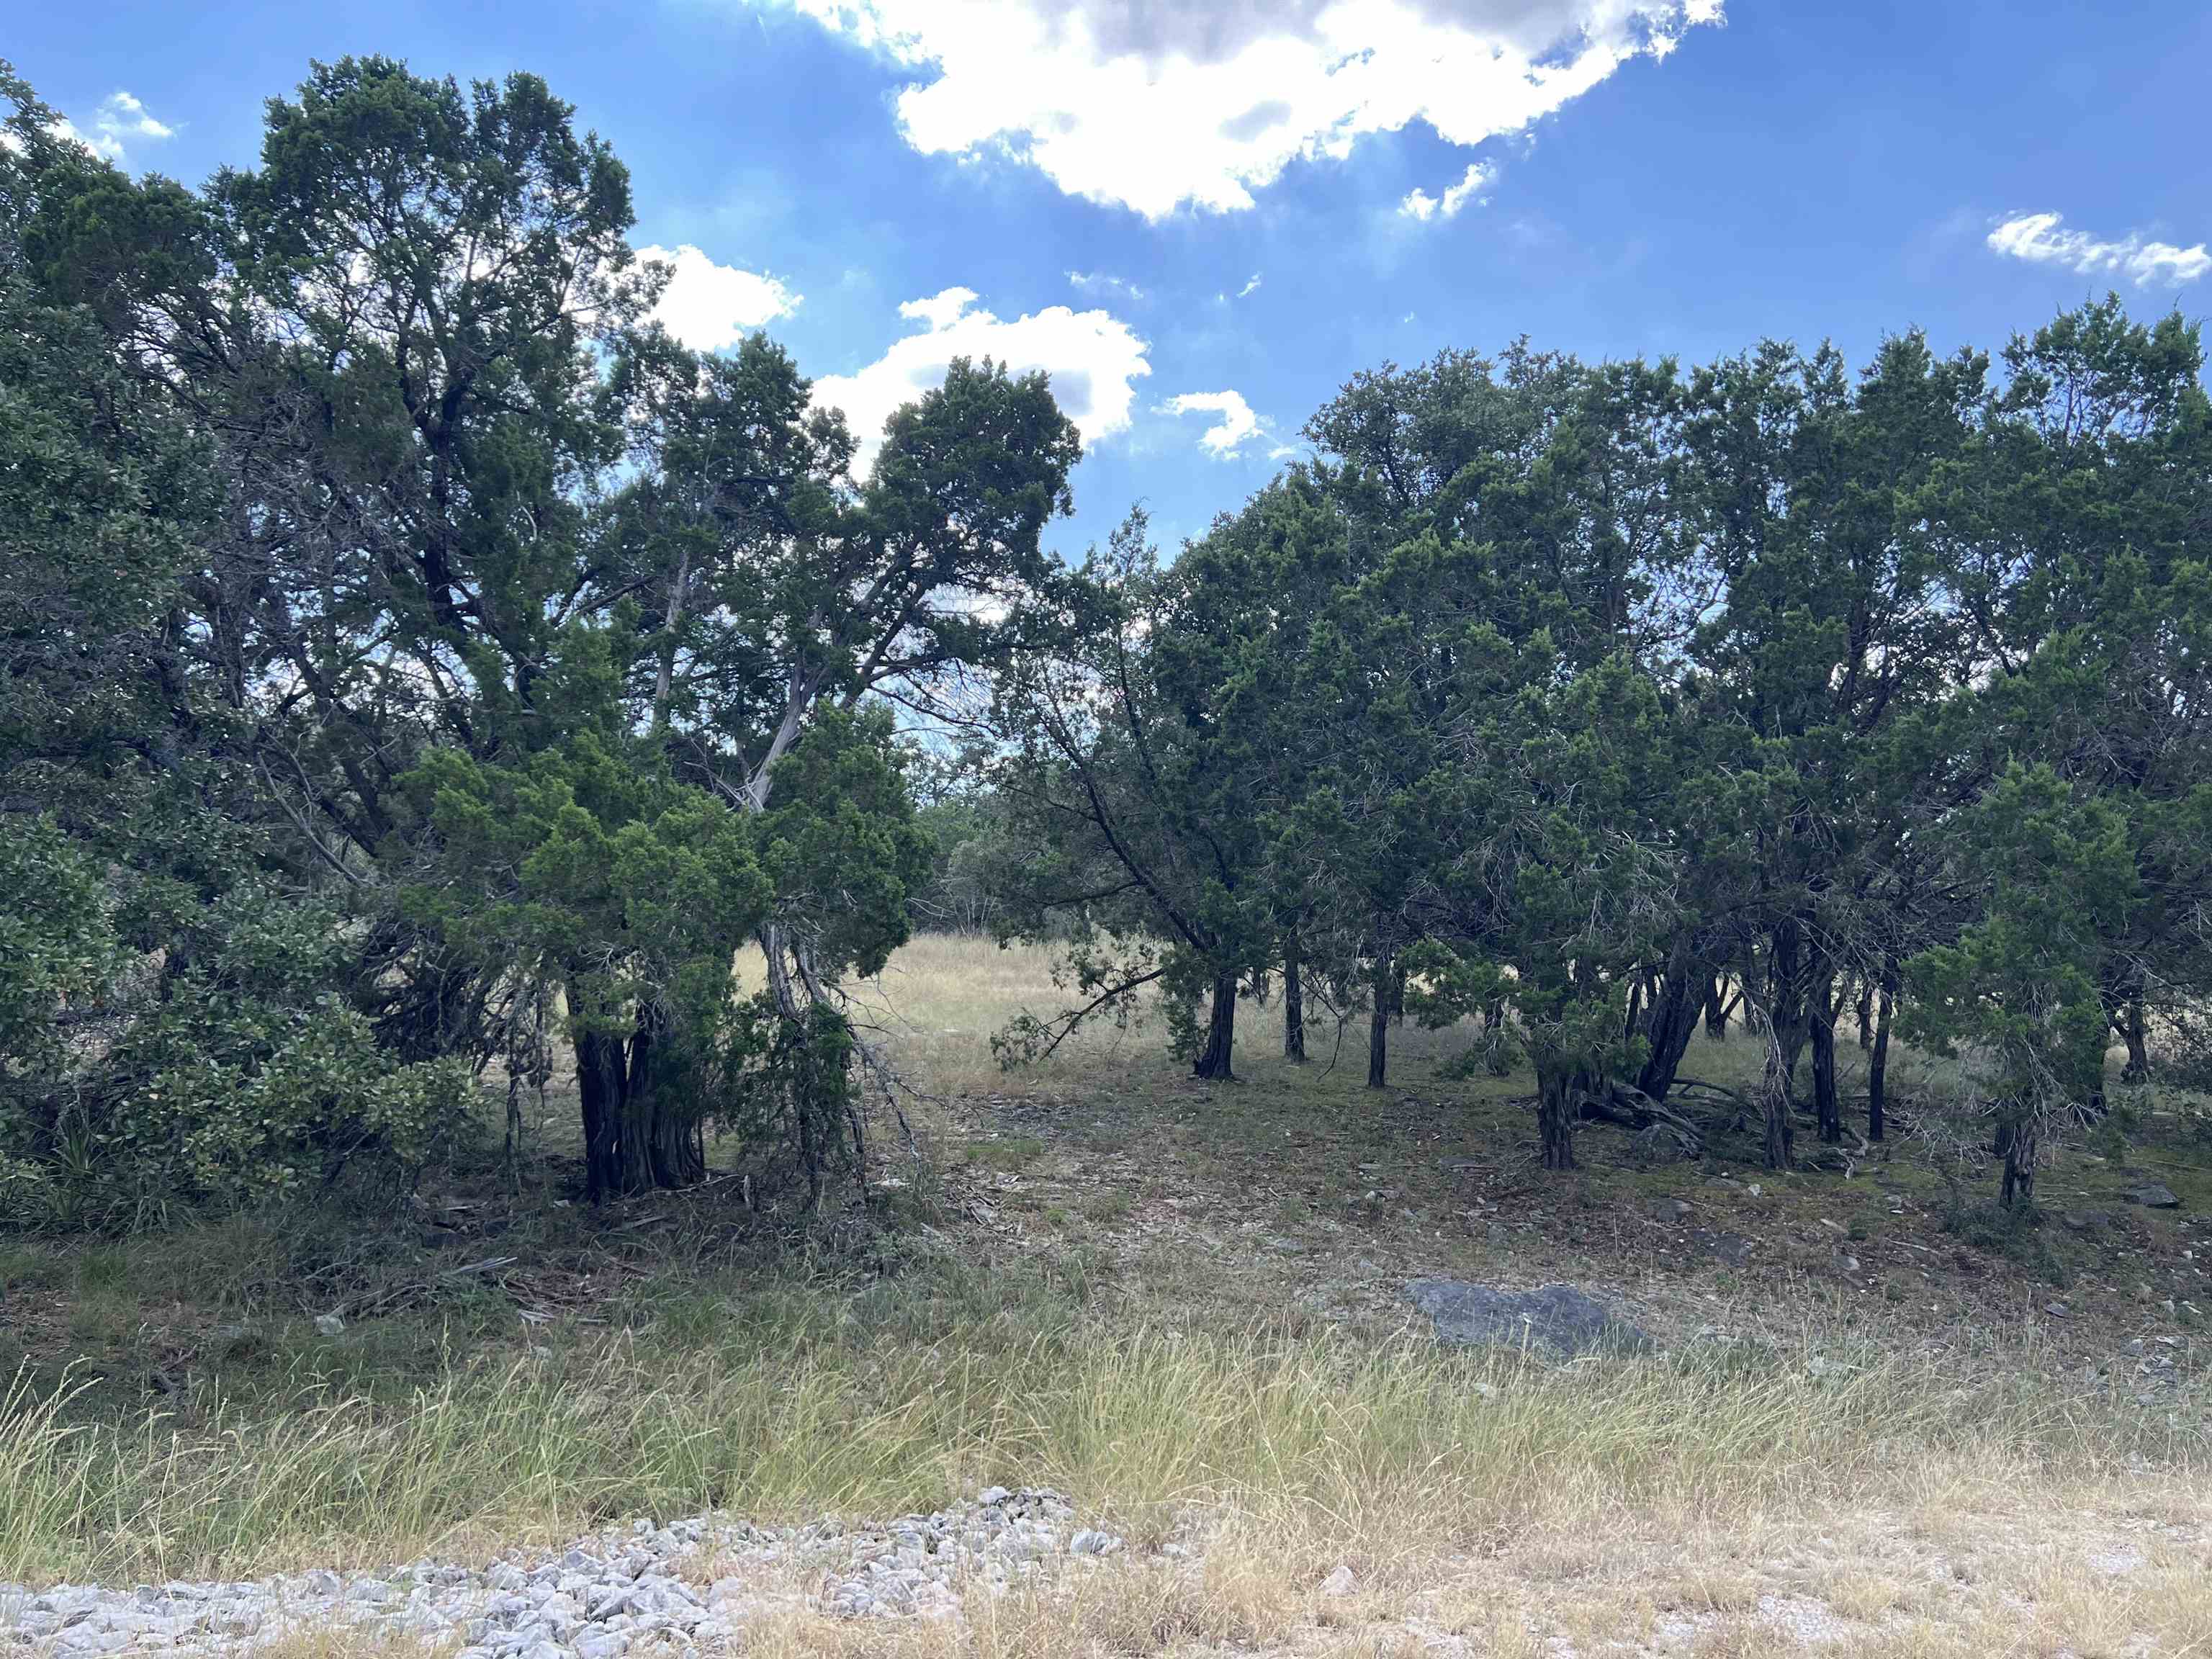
{"x": 123, "y": 114}
{"x": 940, "y": 310}
{"x": 120, "y": 116}
{"x": 1098, "y": 281}
{"x": 1249, "y": 286}
{"x": 710, "y": 307}
{"x": 1419, "y": 205}
{"x": 2040, "y": 238}
{"x": 1093, "y": 358}
{"x": 1233, "y": 423}
{"x": 1155, "y": 106}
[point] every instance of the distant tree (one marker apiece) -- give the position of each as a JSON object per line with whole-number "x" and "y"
{"x": 1135, "y": 759}
{"x": 2018, "y": 990}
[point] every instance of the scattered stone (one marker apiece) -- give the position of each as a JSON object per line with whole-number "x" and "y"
{"x": 1555, "y": 1316}
{"x": 1340, "y": 1582}
{"x": 621, "y": 1590}
{"x": 2056, "y": 1310}
{"x": 329, "y": 1324}
{"x": 2153, "y": 1196}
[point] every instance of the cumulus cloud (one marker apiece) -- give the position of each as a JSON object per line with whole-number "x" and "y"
{"x": 1094, "y": 358}
{"x": 1153, "y": 107}
{"x": 120, "y": 116}
{"x": 1419, "y": 205}
{"x": 710, "y": 307}
{"x": 124, "y": 117}
{"x": 2042, "y": 238}
{"x": 1234, "y": 422}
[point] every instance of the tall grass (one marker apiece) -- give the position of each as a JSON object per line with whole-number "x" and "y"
{"x": 1137, "y": 1424}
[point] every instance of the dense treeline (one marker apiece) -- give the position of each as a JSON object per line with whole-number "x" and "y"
{"x": 415, "y": 665}
{"x": 1602, "y": 701}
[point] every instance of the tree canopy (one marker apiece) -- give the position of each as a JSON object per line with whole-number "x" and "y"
{"x": 419, "y": 670}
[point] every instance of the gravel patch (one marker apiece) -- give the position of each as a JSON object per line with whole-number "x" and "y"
{"x": 598, "y": 1598}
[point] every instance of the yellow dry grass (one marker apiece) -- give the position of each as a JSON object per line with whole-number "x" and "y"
{"x": 1707, "y": 1500}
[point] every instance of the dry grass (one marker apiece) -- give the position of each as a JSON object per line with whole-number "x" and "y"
{"x": 1467, "y": 1496}
{"x": 1392, "y": 1447}
{"x": 1181, "y": 1305}
{"x": 942, "y": 997}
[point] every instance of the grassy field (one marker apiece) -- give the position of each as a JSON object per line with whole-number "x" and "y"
{"x": 1878, "y": 1419}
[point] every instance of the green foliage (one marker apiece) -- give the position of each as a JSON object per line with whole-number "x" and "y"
{"x": 409, "y": 649}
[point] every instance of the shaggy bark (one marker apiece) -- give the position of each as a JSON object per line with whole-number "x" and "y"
{"x": 1378, "y": 1021}
{"x": 2017, "y": 1143}
{"x": 1668, "y": 1025}
{"x": 1786, "y": 1017}
{"x": 1878, "y": 1060}
{"x": 1213, "y": 1060}
{"x": 1294, "y": 1004}
{"x": 1820, "y": 1028}
{"x": 602, "y": 1080}
{"x": 1559, "y": 1089}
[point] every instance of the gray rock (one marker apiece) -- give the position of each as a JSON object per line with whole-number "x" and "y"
{"x": 1558, "y": 1317}
{"x": 1731, "y": 1248}
{"x": 2153, "y": 1196}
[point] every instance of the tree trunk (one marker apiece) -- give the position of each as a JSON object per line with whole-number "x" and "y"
{"x": 668, "y": 1141}
{"x": 1294, "y": 1004}
{"x": 1555, "y": 1115}
{"x": 1878, "y": 1062}
{"x": 1781, "y": 1127}
{"x": 1786, "y": 1020}
{"x": 1213, "y": 1060}
{"x": 776, "y": 945}
{"x": 1378, "y": 1021}
{"x": 601, "y": 1080}
{"x": 1821, "y": 1018}
{"x": 2137, "y": 1070}
{"x": 1716, "y": 1009}
{"x": 1866, "y": 1014}
{"x": 1670, "y": 1022}
{"x": 2018, "y": 1149}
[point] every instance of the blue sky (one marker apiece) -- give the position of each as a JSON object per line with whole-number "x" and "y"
{"x": 1254, "y": 192}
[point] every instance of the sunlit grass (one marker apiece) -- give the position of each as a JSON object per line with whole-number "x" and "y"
{"x": 835, "y": 1411}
